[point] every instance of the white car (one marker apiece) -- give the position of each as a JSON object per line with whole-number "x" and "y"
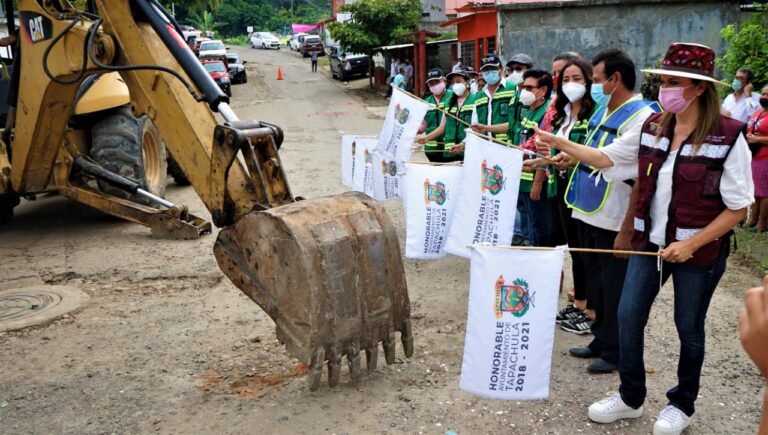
{"x": 212, "y": 49}
{"x": 265, "y": 40}
{"x": 297, "y": 40}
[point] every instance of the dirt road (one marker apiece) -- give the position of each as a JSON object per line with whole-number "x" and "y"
{"x": 166, "y": 344}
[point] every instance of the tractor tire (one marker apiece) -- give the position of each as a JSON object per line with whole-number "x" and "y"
{"x": 7, "y": 203}
{"x": 130, "y": 147}
{"x": 174, "y": 170}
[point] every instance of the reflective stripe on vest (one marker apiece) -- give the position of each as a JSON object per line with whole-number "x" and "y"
{"x": 583, "y": 194}
{"x": 499, "y": 108}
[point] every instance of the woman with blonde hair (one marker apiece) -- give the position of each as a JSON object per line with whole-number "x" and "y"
{"x": 695, "y": 184}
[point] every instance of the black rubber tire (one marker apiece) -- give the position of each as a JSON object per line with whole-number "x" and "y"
{"x": 174, "y": 170}
{"x": 117, "y": 145}
{"x": 7, "y": 203}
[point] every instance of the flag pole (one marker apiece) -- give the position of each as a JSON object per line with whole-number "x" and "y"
{"x": 492, "y": 139}
{"x": 587, "y": 250}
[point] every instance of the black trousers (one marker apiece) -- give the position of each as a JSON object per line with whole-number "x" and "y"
{"x": 570, "y": 232}
{"x": 314, "y": 66}
{"x": 605, "y": 280}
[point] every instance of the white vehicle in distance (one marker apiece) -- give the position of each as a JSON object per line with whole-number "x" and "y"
{"x": 264, "y": 40}
{"x": 297, "y": 40}
{"x": 213, "y": 49}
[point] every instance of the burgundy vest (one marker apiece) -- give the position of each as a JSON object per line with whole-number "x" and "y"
{"x": 696, "y": 199}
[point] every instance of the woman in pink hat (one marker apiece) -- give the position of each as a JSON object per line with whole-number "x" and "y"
{"x": 694, "y": 183}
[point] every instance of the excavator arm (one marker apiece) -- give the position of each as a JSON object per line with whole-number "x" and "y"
{"x": 328, "y": 271}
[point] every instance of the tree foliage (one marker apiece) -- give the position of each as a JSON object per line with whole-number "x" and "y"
{"x": 232, "y": 17}
{"x": 747, "y": 46}
{"x": 376, "y": 23}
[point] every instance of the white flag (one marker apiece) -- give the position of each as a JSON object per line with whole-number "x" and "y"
{"x": 430, "y": 194}
{"x": 386, "y": 177}
{"x": 401, "y": 125}
{"x": 349, "y": 148}
{"x": 488, "y": 199}
{"x": 362, "y": 175}
{"x": 511, "y": 322}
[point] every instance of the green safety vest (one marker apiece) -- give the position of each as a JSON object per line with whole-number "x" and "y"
{"x": 578, "y": 133}
{"x": 433, "y": 118}
{"x": 454, "y": 130}
{"x": 522, "y": 131}
{"x": 499, "y": 108}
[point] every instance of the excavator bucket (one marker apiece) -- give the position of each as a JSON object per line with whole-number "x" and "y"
{"x": 329, "y": 273}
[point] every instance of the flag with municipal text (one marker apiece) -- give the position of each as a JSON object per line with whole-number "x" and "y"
{"x": 352, "y": 149}
{"x": 487, "y": 203}
{"x": 401, "y": 125}
{"x": 387, "y": 177}
{"x": 430, "y": 194}
{"x": 511, "y": 322}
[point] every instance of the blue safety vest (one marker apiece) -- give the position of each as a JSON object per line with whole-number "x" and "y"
{"x": 582, "y": 194}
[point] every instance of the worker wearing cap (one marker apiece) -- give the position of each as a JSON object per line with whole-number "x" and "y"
{"x": 433, "y": 139}
{"x": 491, "y": 114}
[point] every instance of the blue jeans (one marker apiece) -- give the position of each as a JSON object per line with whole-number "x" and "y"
{"x": 535, "y": 219}
{"x": 694, "y": 286}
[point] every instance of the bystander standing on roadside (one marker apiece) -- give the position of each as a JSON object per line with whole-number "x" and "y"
{"x": 742, "y": 103}
{"x": 313, "y": 58}
{"x": 757, "y": 137}
{"x": 394, "y": 69}
{"x": 408, "y": 75}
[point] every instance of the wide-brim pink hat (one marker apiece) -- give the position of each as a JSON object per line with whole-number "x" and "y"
{"x": 693, "y": 61}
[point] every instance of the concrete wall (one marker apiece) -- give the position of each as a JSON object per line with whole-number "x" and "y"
{"x": 644, "y": 28}
{"x": 433, "y": 11}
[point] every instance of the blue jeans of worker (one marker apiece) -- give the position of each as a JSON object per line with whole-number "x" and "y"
{"x": 693, "y": 287}
{"x": 535, "y": 219}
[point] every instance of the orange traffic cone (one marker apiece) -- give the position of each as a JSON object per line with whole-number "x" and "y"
{"x": 279, "y": 73}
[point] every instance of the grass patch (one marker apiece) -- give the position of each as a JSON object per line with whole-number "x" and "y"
{"x": 753, "y": 251}
{"x": 237, "y": 40}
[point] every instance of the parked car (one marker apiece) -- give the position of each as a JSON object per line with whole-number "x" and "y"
{"x": 312, "y": 43}
{"x": 296, "y": 41}
{"x": 359, "y": 62}
{"x": 236, "y": 68}
{"x": 212, "y": 49}
{"x": 219, "y": 73}
{"x": 264, "y": 40}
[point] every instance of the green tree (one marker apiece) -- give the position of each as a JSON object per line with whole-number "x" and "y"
{"x": 747, "y": 46}
{"x": 376, "y": 23}
{"x": 206, "y": 22}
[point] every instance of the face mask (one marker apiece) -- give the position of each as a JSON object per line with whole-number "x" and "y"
{"x": 764, "y": 103}
{"x": 491, "y": 77}
{"x": 736, "y": 85}
{"x": 672, "y": 99}
{"x": 574, "y": 91}
{"x": 437, "y": 89}
{"x": 527, "y": 97}
{"x": 459, "y": 88}
{"x": 597, "y": 94}
{"x": 516, "y": 77}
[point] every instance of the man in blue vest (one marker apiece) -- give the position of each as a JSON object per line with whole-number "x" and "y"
{"x": 603, "y": 210}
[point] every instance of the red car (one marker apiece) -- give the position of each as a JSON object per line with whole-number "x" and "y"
{"x": 218, "y": 71}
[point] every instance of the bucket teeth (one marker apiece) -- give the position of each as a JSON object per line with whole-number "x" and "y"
{"x": 371, "y": 356}
{"x": 329, "y": 272}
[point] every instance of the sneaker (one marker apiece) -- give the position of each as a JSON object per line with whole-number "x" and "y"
{"x": 611, "y": 409}
{"x": 568, "y": 313}
{"x": 580, "y": 325}
{"x": 671, "y": 421}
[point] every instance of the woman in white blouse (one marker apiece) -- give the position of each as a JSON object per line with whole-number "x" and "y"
{"x": 693, "y": 170}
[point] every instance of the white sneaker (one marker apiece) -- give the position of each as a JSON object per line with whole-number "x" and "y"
{"x": 611, "y": 409}
{"x": 671, "y": 421}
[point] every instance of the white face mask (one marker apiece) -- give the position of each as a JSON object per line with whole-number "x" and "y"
{"x": 516, "y": 77}
{"x": 527, "y": 97}
{"x": 574, "y": 91}
{"x": 459, "y": 89}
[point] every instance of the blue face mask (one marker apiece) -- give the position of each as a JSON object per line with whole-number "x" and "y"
{"x": 736, "y": 85}
{"x": 491, "y": 77}
{"x": 598, "y": 96}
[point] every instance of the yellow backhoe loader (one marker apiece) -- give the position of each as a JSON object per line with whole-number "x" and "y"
{"x": 328, "y": 270}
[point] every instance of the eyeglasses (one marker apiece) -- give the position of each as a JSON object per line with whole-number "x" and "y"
{"x": 530, "y": 88}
